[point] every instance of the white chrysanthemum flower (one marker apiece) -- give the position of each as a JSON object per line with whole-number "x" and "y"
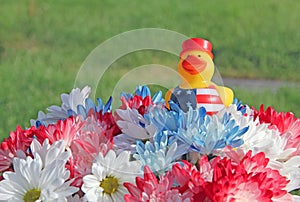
{"x": 108, "y": 175}
{"x": 133, "y": 124}
{"x": 259, "y": 138}
{"x": 134, "y": 127}
{"x": 124, "y": 142}
{"x": 31, "y": 182}
{"x": 69, "y": 102}
{"x": 75, "y": 98}
{"x": 290, "y": 169}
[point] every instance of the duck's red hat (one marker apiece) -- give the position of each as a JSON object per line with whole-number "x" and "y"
{"x": 197, "y": 44}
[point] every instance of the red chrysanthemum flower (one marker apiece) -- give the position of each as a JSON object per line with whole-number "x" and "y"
{"x": 137, "y": 102}
{"x": 190, "y": 181}
{"x": 249, "y": 180}
{"x": 282, "y": 121}
{"x": 108, "y": 123}
{"x": 19, "y": 140}
{"x": 66, "y": 130}
{"x": 150, "y": 188}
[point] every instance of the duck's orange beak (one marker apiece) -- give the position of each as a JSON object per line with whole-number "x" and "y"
{"x": 193, "y": 64}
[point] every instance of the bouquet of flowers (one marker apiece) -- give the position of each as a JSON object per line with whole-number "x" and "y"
{"x": 144, "y": 151}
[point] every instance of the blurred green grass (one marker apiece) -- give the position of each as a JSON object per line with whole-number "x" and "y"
{"x": 41, "y": 50}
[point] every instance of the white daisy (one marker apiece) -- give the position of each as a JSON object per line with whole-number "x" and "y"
{"x": 31, "y": 182}
{"x": 108, "y": 175}
{"x": 50, "y": 153}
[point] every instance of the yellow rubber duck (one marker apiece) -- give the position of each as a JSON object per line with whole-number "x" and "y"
{"x": 196, "y": 69}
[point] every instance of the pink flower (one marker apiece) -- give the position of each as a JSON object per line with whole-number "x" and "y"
{"x": 93, "y": 142}
{"x": 86, "y": 139}
{"x": 16, "y": 144}
{"x": 85, "y": 149}
{"x": 150, "y": 188}
{"x": 80, "y": 165}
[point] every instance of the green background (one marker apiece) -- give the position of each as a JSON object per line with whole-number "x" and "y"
{"x": 43, "y": 44}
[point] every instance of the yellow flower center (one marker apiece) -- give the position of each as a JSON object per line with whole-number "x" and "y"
{"x": 109, "y": 185}
{"x": 32, "y": 195}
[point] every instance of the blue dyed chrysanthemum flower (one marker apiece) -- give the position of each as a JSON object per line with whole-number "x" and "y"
{"x": 163, "y": 119}
{"x": 91, "y": 107}
{"x": 141, "y": 93}
{"x": 172, "y": 120}
{"x": 206, "y": 134}
{"x": 160, "y": 154}
{"x": 240, "y": 106}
